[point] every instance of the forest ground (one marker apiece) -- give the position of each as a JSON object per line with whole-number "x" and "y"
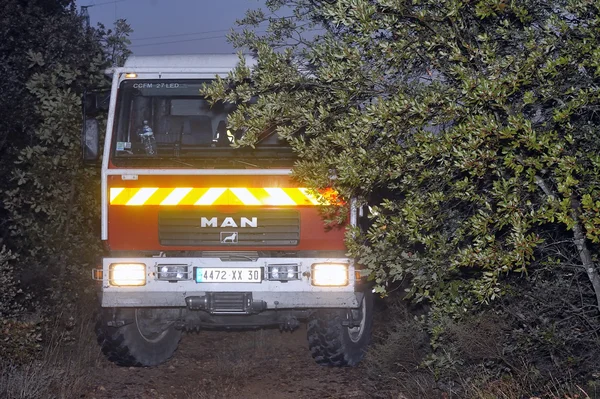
{"x": 265, "y": 364}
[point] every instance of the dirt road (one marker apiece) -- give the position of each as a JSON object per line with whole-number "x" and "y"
{"x": 265, "y": 364}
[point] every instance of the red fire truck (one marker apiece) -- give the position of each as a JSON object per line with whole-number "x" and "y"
{"x": 203, "y": 235}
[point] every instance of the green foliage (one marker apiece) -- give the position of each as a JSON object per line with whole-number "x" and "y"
{"x": 47, "y": 203}
{"x": 50, "y": 202}
{"x": 116, "y": 42}
{"x": 12, "y": 297}
{"x": 532, "y": 342}
{"x": 19, "y": 341}
{"x": 469, "y": 128}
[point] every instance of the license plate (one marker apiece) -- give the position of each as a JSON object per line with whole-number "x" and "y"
{"x": 228, "y": 275}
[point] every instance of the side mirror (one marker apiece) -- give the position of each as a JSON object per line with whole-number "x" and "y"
{"x": 93, "y": 104}
{"x": 90, "y": 141}
{"x": 96, "y": 102}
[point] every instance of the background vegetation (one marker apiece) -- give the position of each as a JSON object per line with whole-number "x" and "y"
{"x": 49, "y": 203}
{"x": 469, "y": 130}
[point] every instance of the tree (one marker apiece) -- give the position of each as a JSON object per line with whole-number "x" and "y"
{"x": 469, "y": 127}
{"x": 116, "y": 42}
{"x": 49, "y": 201}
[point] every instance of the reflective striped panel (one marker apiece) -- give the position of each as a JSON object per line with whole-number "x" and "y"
{"x": 214, "y": 196}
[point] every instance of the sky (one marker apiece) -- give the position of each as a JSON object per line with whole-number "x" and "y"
{"x": 173, "y": 26}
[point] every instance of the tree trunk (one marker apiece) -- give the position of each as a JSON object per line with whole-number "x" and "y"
{"x": 584, "y": 252}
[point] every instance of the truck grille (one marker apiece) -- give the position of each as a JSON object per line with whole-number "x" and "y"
{"x": 273, "y": 227}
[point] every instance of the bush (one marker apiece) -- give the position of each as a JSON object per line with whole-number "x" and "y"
{"x": 540, "y": 340}
{"x": 10, "y": 293}
{"x": 394, "y": 361}
{"x": 19, "y": 341}
{"x": 64, "y": 353}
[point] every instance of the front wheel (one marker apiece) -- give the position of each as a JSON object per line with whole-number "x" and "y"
{"x": 147, "y": 339}
{"x": 339, "y": 337}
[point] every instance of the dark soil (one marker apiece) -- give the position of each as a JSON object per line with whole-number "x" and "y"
{"x": 265, "y": 364}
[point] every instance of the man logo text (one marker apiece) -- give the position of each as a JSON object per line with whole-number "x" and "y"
{"x": 229, "y": 222}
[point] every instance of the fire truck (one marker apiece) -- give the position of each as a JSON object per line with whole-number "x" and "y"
{"x": 201, "y": 234}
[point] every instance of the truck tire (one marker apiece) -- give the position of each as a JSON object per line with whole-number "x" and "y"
{"x": 333, "y": 344}
{"x": 141, "y": 342}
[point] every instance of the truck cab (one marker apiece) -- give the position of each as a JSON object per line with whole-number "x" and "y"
{"x": 203, "y": 234}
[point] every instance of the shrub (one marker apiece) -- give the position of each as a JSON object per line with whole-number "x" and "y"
{"x": 64, "y": 353}
{"x": 10, "y": 292}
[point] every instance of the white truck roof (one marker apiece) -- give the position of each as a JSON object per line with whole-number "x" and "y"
{"x": 208, "y": 61}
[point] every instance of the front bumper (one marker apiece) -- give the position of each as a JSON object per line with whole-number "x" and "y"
{"x": 294, "y": 294}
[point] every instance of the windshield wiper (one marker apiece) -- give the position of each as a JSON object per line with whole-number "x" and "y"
{"x": 183, "y": 163}
{"x": 245, "y": 163}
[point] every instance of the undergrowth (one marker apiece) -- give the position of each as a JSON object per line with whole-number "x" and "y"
{"x": 540, "y": 341}
{"x": 56, "y": 360}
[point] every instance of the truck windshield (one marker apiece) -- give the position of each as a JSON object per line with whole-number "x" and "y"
{"x": 163, "y": 122}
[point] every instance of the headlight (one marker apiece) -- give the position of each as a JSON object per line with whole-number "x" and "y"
{"x": 283, "y": 272}
{"x": 127, "y": 274}
{"x": 329, "y": 274}
{"x": 172, "y": 272}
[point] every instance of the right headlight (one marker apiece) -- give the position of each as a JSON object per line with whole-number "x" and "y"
{"x": 329, "y": 274}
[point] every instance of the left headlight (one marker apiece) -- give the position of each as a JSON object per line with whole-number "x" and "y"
{"x": 127, "y": 274}
{"x": 329, "y": 274}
